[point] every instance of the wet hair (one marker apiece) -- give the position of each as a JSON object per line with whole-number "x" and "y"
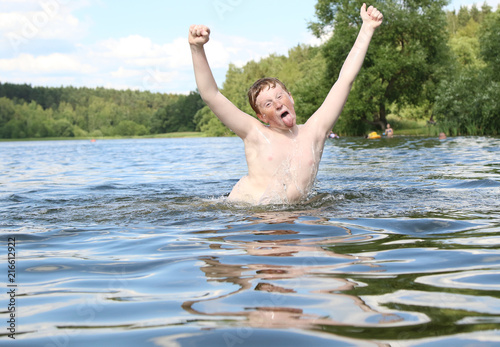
{"x": 259, "y": 86}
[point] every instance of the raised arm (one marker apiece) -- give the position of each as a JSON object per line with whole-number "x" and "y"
{"x": 235, "y": 119}
{"x": 325, "y": 117}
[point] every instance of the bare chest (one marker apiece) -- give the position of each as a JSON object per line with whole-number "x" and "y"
{"x": 282, "y": 157}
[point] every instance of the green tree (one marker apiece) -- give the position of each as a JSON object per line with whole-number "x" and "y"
{"x": 468, "y": 101}
{"x": 178, "y": 115}
{"x": 62, "y": 127}
{"x": 406, "y": 58}
{"x": 485, "y": 10}
{"x": 102, "y": 115}
{"x": 130, "y": 128}
{"x": 468, "y": 104}
{"x": 208, "y": 123}
{"x": 489, "y": 41}
{"x": 37, "y": 121}
{"x": 14, "y": 129}
{"x": 464, "y": 38}
{"x": 7, "y": 111}
{"x": 96, "y": 111}
{"x": 475, "y": 13}
{"x": 463, "y": 16}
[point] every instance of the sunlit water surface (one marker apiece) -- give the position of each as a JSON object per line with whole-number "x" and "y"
{"x": 131, "y": 243}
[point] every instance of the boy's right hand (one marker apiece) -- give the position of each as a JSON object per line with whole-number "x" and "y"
{"x": 198, "y": 35}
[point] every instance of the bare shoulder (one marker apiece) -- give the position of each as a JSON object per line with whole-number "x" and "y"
{"x": 257, "y": 133}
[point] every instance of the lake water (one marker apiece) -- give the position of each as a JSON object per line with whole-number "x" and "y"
{"x": 131, "y": 243}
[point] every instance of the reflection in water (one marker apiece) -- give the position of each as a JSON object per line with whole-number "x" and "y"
{"x": 478, "y": 280}
{"x": 274, "y": 293}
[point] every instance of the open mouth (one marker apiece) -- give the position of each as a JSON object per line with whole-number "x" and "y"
{"x": 284, "y": 114}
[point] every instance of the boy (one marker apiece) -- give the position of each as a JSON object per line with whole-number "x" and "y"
{"x": 282, "y": 157}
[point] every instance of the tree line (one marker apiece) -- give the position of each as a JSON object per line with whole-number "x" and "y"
{"x": 37, "y": 112}
{"x": 423, "y": 63}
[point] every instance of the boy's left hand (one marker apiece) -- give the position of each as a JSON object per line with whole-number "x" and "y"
{"x": 372, "y": 16}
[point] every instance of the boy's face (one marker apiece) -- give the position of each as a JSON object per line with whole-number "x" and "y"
{"x": 276, "y": 108}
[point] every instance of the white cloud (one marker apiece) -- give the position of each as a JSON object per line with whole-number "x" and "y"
{"x": 52, "y": 63}
{"x": 178, "y": 53}
{"x": 239, "y": 50}
{"x": 133, "y": 46}
{"x": 41, "y": 25}
{"x": 140, "y": 52}
{"x": 312, "y": 40}
{"x": 134, "y": 61}
{"x": 23, "y": 23}
{"x": 124, "y": 73}
{"x": 219, "y": 53}
{"x": 19, "y": 5}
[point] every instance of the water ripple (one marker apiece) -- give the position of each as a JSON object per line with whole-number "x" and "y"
{"x": 132, "y": 242}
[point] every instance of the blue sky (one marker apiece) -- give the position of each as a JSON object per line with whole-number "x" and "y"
{"x": 143, "y": 44}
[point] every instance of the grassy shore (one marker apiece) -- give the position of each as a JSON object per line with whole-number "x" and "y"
{"x": 401, "y": 127}
{"x": 173, "y": 135}
{"x": 151, "y": 136}
{"x": 407, "y": 127}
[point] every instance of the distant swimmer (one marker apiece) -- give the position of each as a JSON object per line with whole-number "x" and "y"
{"x": 388, "y": 131}
{"x": 332, "y": 135}
{"x": 282, "y": 157}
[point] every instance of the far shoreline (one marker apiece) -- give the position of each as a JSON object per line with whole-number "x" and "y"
{"x": 191, "y": 134}
{"x": 415, "y": 132}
